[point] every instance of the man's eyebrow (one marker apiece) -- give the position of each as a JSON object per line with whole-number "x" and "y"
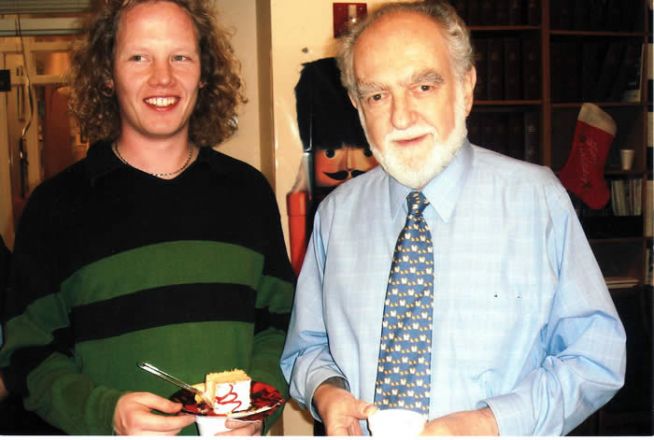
{"x": 429, "y": 76}
{"x": 365, "y": 88}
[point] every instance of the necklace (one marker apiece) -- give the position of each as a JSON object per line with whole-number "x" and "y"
{"x": 185, "y": 165}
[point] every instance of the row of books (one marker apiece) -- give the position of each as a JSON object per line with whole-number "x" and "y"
{"x": 626, "y": 197}
{"x": 595, "y": 15}
{"x": 596, "y": 71}
{"x": 514, "y": 134}
{"x": 498, "y": 12}
{"x": 507, "y": 68}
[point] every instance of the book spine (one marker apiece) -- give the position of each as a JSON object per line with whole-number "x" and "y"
{"x": 515, "y": 12}
{"x": 562, "y": 14}
{"x": 502, "y": 12}
{"x": 570, "y": 72}
{"x": 590, "y": 67}
{"x": 474, "y": 12}
{"x": 512, "y": 76}
{"x": 481, "y": 63}
{"x": 515, "y": 136}
{"x": 530, "y": 69}
{"x": 474, "y": 128}
{"x": 533, "y": 12}
{"x": 487, "y": 12}
{"x": 495, "y": 69}
{"x": 609, "y": 70}
{"x": 531, "y": 133}
{"x": 580, "y": 15}
{"x": 628, "y": 85}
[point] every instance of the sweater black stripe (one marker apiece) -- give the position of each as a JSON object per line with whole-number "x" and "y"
{"x": 194, "y": 302}
{"x": 265, "y": 319}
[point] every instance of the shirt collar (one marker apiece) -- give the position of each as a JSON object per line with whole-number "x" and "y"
{"x": 101, "y": 161}
{"x": 442, "y": 191}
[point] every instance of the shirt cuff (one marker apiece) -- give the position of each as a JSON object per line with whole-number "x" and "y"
{"x": 511, "y": 414}
{"x": 318, "y": 379}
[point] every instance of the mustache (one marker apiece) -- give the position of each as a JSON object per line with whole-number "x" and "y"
{"x": 344, "y": 175}
{"x": 410, "y": 133}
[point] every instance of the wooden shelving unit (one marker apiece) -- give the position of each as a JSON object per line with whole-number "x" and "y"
{"x": 557, "y": 117}
{"x": 619, "y": 242}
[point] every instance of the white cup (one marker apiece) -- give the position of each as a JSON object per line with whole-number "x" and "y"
{"x": 627, "y": 158}
{"x": 211, "y": 425}
{"x": 396, "y": 423}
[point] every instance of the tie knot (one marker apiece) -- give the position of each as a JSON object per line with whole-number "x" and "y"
{"x": 417, "y": 202}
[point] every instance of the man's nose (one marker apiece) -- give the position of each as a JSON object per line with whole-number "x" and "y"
{"x": 161, "y": 73}
{"x": 402, "y": 114}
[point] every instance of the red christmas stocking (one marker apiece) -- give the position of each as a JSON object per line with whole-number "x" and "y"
{"x": 583, "y": 172}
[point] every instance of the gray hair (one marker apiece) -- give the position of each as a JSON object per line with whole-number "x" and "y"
{"x": 441, "y": 12}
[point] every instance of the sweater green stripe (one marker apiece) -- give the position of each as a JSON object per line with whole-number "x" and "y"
{"x": 163, "y": 264}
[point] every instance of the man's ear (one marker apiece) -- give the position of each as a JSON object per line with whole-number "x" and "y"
{"x": 354, "y": 100}
{"x": 108, "y": 89}
{"x": 469, "y": 81}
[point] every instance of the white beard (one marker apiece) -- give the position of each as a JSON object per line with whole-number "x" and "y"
{"x": 414, "y": 167}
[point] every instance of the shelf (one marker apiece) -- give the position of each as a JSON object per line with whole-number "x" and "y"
{"x": 512, "y": 28}
{"x": 619, "y": 283}
{"x": 617, "y": 240}
{"x": 509, "y": 103}
{"x": 597, "y": 34}
{"x": 625, "y": 104}
{"x": 635, "y": 173}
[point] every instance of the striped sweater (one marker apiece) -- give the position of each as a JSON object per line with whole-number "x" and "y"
{"x": 113, "y": 266}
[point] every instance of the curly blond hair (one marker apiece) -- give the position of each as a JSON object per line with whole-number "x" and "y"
{"x": 95, "y": 105}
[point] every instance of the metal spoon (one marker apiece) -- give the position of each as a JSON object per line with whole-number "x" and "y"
{"x": 175, "y": 381}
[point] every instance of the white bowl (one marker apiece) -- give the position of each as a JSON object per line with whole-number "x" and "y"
{"x": 396, "y": 423}
{"x": 211, "y": 425}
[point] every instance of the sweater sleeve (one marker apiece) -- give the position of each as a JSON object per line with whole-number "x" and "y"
{"x": 274, "y": 300}
{"x": 36, "y": 359}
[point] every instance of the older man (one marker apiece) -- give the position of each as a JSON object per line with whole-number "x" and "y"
{"x": 495, "y": 318}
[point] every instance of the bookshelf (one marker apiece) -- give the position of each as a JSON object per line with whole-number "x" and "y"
{"x": 570, "y": 52}
{"x": 537, "y": 62}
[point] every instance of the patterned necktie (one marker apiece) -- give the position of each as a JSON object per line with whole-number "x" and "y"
{"x": 404, "y": 367}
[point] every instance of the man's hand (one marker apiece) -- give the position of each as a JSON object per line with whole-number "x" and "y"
{"x": 242, "y": 427}
{"x": 478, "y": 422}
{"x": 339, "y": 410}
{"x": 133, "y": 415}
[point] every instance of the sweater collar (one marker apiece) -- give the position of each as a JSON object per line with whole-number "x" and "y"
{"x": 101, "y": 160}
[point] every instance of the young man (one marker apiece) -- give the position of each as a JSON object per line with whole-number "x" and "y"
{"x": 496, "y": 318}
{"x": 154, "y": 247}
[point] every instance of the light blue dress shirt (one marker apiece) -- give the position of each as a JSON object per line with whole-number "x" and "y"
{"x": 523, "y": 321}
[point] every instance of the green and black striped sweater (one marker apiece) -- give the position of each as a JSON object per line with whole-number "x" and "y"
{"x": 113, "y": 266}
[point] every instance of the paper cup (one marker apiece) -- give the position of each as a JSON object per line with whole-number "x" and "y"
{"x": 627, "y": 158}
{"x": 211, "y": 425}
{"x": 396, "y": 423}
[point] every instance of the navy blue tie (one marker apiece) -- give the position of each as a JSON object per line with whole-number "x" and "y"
{"x": 404, "y": 367}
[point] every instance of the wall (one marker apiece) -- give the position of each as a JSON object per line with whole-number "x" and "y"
{"x": 240, "y": 18}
